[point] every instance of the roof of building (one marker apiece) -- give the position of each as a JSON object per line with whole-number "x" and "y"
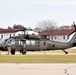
{"x": 46, "y": 32}
{"x": 10, "y": 30}
{"x": 57, "y": 32}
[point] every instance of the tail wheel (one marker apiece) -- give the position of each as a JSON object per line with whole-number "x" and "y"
{"x": 23, "y": 52}
{"x": 13, "y": 52}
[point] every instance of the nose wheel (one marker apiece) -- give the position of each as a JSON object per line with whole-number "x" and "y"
{"x": 13, "y": 52}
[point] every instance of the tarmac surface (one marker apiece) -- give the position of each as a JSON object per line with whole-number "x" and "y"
{"x": 37, "y": 69}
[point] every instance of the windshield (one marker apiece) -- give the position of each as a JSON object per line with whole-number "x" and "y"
{"x": 4, "y": 42}
{"x": 11, "y": 40}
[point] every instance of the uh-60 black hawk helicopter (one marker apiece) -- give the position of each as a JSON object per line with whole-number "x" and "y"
{"x": 26, "y": 42}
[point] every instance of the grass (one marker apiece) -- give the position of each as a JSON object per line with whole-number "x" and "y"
{"x": 60, "y": 51}
{"x": 44, "y": 58}
{"x": 39, "y": 59}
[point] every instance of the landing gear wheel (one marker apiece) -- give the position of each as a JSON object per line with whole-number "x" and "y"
{"x": 66, "y": 52}
{"x": 24, "y": 52}
{"x": 13, "y": 52}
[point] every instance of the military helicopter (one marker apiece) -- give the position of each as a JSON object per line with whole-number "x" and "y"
{"x": 26, "y": 42}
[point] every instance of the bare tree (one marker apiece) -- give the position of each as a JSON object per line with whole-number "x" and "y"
{"x": 47, "y": 25}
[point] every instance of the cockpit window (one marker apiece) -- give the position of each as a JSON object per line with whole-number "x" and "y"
{"x": 4, "y": 42}
{"x": 11, "y": 40}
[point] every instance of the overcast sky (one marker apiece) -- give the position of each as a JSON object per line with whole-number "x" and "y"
{"x": 28, "y": 12}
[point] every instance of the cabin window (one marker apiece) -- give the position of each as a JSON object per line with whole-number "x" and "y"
{"x": 53, "y": 45}
{"x": 32, "y": 42}
{"x": 20, "y": 43}
{"x": 38, "y": 46}
{"x": 44, "y": 43}
{"x": 38, "y": 42}
{"x": 27, "y": 42}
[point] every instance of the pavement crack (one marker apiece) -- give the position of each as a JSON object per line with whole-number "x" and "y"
{"x": 66, "y": 70}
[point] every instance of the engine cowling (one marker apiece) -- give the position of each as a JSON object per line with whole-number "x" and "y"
{"x": 74, "y": 44}
{"x": 32, "y": 37}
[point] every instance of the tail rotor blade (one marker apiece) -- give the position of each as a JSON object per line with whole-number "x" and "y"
{"x": 74, "y": 25}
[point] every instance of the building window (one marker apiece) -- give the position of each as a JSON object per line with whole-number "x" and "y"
{"x": 64, "y": 37}
{"x": 1, "y": 36}
{"x": 10, "y": 35}
{"x": 13, "y": 34}
{"x": 55, "y": 37}
{"x": 67, "y": 37}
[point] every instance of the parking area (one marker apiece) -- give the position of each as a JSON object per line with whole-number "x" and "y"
{"x": 37, "y": 69}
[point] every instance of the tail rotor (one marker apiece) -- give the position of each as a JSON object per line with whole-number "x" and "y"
{"x": 74, "y": 26}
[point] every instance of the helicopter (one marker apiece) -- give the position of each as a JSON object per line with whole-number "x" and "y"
{"x": 26, "y": 42}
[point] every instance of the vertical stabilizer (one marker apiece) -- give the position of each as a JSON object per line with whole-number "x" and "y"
{"x": 73, "y": 39}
